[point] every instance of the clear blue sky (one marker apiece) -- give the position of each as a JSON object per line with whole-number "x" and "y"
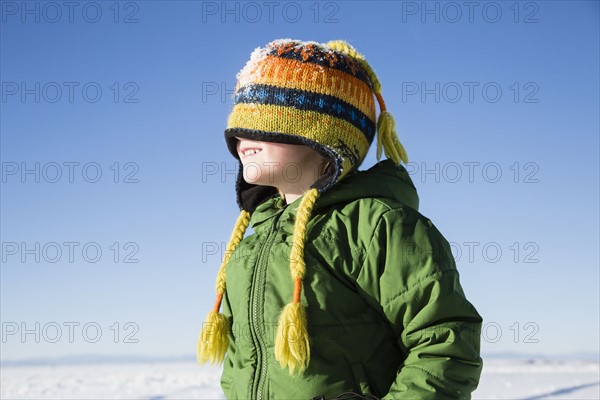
{"x": 518, "y": 95}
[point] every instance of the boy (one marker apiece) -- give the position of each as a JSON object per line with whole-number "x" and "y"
{"x": 373, "y": 305}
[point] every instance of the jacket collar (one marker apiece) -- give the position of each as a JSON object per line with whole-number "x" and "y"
{"x": 383, "y": 180}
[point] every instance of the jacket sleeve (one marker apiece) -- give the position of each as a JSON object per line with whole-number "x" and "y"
{"x": 410, "y": 276}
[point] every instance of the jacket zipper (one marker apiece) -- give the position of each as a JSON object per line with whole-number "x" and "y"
{"x": 256, "y": 305}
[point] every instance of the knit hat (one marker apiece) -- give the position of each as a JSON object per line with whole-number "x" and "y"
{"x": 313, "y": 94}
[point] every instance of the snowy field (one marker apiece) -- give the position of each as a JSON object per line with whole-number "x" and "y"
{"x": 501, "y": 379}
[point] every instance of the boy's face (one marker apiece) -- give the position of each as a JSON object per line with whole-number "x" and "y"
{"x": 284, "y": 166}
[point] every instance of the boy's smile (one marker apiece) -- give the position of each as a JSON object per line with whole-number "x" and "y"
{"x": 250, "y": 152}
{"x": 246, "y": 149}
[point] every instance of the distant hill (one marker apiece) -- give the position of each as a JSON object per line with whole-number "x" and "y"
{"x": 87, "y": 359}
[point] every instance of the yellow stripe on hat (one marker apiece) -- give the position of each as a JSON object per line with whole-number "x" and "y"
{"x": 314, "y": 126}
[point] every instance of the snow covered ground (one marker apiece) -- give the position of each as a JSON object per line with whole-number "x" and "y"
{"x": 501, "y": 379}
{"x": 537, "y": 379}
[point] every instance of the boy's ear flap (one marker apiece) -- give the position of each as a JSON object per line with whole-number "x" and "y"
{"x": 251, "y": 196}
{"x": 326, "y": 174}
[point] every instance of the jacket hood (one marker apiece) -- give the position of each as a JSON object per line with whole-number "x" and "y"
{"x": 383, "y": 180}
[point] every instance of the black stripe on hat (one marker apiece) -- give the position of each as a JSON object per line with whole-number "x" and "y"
{"x": 315, "y": 55}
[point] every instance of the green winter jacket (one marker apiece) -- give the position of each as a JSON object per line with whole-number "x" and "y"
{"x": 386, "y": 313}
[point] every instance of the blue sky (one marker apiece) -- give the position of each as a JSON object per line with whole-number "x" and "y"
{"x": 502, "y": 99}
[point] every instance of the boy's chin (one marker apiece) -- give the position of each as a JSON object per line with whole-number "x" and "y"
{"x": 258, "y": 176}
{"x": 260, "y": 181}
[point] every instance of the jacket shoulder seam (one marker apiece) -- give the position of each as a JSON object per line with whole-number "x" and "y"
{"x": 389, "y": 208}
{"x": 437, "y": 274}
{"x": 380, "y": 219}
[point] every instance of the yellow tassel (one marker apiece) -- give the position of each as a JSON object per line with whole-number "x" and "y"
{"x": 292, "y": 348}
{"x": 387, "y": 137}
{"x": 213, "y": 340}
{"x": 236, "y": 237}
{"x": 297, "y": 266}
{"x": 386, "y": 127}
{"x": 291, "y": 344}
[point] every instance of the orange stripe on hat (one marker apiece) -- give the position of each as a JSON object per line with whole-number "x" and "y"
{"x": 293, "y": 74}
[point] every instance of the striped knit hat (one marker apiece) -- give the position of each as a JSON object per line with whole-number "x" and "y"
{"x": 318, "y": 95}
